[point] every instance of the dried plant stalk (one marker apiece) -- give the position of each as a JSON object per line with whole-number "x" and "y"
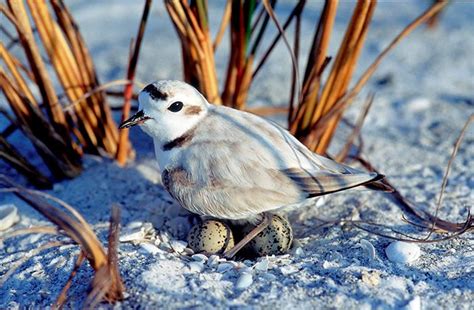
{"x": 421, "y": 219}
{"x": 24, "y": 28}
{"x": 64, "y": 64}
{"x": 107, "y": 284}
{"x": 124, "y": 148}
{"x": 236, "y": 83}
{"x": 60, "y": 136}
{"x": 424, "y": 219}
{"x": 344, "y": 153}
{"x": 243, "y": 49}
{"x": 9, "y": 154}
{"x": 224, "y": 22}
{"x": 433, "y": 21}
{"x": 41, "y": 133}
{"x": 317, "y": 61}
{"x": 14, "y": 267}
{"x": 61, "y": 300}
{"x": 341, "y": 72}
{"x": 191, "y": 23}
{"x": 84, "y": 61}
{"x": 319, "y": 134}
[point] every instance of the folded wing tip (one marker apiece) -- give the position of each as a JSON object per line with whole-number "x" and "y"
{"x": 378, "y": 176}
{"x": 377, "y": 183}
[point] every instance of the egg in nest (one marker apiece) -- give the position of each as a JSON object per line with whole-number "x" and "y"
{"x": 210, "y": 237}
{"x": 276, "y": 239}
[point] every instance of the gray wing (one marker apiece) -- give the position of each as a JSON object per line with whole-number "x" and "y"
{"x": 323, "y": 183}
{"x": 238, "y": 165}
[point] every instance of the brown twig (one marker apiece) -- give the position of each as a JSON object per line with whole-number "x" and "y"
{"x": 123, "y": 147}
{"x": 224, "y": 22}
{"x": 294, "y": 77}
{"x": 342, "y": 156}
{"x": 412, "y": 239}
{"x": 433, "y": 21}
{"x": 107, "y": 283}
{"x": 61, "y": 300}
{"x": 315, "y": 66}
{"x": 294, "y": 61}
{"x": 80, "y": 232}
{"x": 119, "y": 94}
{"x": 433, "y": 222}
{"x": 191, "y": 24}
{"x": 325, "y": 121}
{"x": 13, "y": 157}
{"x": 103, "y": 87}
{"x": 267, "y": 111}
{"x": 295, "y": 12}
{"x": 59, "y": 136}
{"x": 456, "y": 147}
{"x": 31, "y": 230}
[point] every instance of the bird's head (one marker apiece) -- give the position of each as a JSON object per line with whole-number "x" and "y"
{"x": 168, "y": 109}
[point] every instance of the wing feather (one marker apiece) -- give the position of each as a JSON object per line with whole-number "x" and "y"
{"x": 318, "y": 183}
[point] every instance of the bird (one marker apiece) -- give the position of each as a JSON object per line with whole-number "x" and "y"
{"x": 228, "y": 164}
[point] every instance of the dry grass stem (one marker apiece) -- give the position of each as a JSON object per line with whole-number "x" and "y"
{"x": 342, "y": 156}
{"x": 317, "y": 61}
{"x": 456, "y": 147}
{"x": 247, "y": 28}
{"x": 107, "y": 284}
{"x": 316, "y": 127}
{"x": 224, "y": 22}
{"x": 62, "y": 298}
{"x": 406, "y": 237}
{"x": 319, "y": 101}
{"x": 267, "y": 111}
{"x": 47, "y": 230}
{"x": 13, "y": 157}
{"x": 297, "y": 10}
{"x": 60, "y": 136}
{"x": 426, "y": 220}
{"x": 294, "y": 60}
{"x": 124, "y": 148}
{"x": 433, "y": 21}
{"x": 103, "y": 87}
{"x": 191, "y": 23}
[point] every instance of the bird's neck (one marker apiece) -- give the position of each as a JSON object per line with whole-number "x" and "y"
{"x": 165, "y": 150}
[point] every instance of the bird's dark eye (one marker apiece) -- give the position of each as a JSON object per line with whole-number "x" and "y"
{"x": 176, "y": 106}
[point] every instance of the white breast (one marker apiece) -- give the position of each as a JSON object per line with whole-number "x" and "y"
{"x": 164, "y": 158}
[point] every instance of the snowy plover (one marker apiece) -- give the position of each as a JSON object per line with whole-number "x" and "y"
{"x": 229, "y": 164}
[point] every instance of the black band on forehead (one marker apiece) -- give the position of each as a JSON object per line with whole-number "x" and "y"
{"x": 154, "y": 92}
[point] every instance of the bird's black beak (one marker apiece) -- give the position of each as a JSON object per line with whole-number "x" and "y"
{"x": 136, "y": 119}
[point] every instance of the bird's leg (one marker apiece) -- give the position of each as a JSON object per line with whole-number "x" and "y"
{"x": 267, "y": 218}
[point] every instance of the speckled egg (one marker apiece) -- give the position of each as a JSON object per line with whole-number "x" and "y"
{"x": 274, "y": 240}
{"x": 211, "y": 237}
